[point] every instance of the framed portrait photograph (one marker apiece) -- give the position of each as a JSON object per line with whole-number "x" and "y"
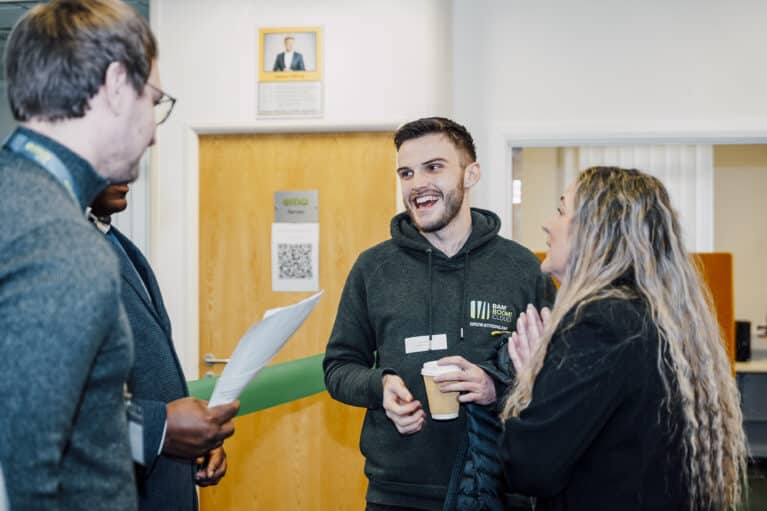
{"x": 290, "y": 54}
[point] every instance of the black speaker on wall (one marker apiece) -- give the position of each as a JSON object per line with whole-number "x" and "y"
{"x": 742, "y": 341}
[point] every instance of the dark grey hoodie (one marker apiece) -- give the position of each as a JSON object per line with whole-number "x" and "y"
{"x": 403, "y": 288}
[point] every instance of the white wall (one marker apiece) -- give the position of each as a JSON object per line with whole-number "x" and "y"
{"x": 498, "y": 66}
{"x": 615, "y": 63}
{"x": 385, "y": 63}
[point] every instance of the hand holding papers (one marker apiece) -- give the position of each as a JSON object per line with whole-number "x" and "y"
{"x": 259, "y": 344}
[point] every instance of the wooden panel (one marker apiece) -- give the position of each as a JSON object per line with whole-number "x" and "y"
{"x": 303, "y": 455}
{"x": 717, "y": 272}
{"x": 716, "y": 269}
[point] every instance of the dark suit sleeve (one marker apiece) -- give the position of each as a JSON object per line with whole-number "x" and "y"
{"x": 299, "y": 62}
{"x": 277, "y": 66}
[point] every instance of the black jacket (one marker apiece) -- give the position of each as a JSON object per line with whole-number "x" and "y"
{"x": 598, "y": 433}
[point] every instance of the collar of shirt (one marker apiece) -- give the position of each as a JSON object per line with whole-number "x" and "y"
{"x": 102, "y": 223}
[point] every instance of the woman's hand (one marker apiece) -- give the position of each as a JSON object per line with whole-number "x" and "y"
{"x": 523, "y": 342}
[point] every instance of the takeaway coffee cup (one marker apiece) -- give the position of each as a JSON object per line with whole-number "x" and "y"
{"x": 442, "y": 405}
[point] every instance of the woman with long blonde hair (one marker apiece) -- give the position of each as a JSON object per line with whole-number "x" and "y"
{"x": 624, "y": 397}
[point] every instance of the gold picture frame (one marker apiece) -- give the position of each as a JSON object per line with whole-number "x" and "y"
{"x": 306, "y": 61}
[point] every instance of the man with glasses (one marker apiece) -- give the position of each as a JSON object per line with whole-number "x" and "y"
{"x": 179, "y": 431}
{"x": 83, "y": 82}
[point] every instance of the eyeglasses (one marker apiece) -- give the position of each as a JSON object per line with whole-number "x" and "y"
{"x": 163, "y": 107}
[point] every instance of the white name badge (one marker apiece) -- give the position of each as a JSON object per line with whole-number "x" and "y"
{"x": 422, "y": 343}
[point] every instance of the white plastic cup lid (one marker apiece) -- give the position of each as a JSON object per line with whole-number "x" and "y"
{"x": 432, "y": 369}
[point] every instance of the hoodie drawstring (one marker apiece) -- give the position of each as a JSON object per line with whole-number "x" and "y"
{"x": 428, "y": 251}
{"x": 464, "y": 295}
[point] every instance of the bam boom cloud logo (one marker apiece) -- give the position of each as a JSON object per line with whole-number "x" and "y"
{"x": 479, "y": 310}
{"x": 482, "y": 310}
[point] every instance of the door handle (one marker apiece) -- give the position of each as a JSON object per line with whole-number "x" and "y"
{"x": 211, "y": 360}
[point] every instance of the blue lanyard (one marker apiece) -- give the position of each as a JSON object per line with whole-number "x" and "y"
{"x": 22, "y": 145}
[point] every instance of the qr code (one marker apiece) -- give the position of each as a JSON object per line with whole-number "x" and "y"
{"x": 294, "y": 260}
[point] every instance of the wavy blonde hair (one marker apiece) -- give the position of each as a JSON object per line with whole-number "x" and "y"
{"x": 623, "y": 226}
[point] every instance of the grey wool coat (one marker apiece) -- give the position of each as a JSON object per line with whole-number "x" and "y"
{"x": 65, "y": 345}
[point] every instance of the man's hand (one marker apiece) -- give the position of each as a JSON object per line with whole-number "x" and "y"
{"x": 406, "y": 413}
{"x": 474, "y": 384}
{"x": 211, "y": 468}
{"x": 524, "y": 342}
{"x": 194, "y": 429}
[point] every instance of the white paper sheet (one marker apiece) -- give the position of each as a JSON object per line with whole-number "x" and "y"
{"x": 259, "y": 344}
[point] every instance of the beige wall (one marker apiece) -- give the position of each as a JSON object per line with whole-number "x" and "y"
{"x": 740, "y": 224}
{"x": 541, "y": 189}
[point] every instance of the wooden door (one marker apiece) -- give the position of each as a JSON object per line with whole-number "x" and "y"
{"x": 302, "y": 455}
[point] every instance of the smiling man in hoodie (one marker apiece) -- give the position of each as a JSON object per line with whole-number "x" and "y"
{"x": 439, "y": 289}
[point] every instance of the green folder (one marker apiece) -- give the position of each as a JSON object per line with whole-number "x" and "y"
{"x": 274, "y": 385}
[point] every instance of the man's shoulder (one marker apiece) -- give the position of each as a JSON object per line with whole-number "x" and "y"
{"x": 52, "y": 234}
{"x": 27, "y": 191}
{"x": 17, "y": 174}
{"x": 60, "y": 269}
{"x": 378, "y": 253}
{"x": 514, "y": 252}
{"x": 68, "y": 241}
{"x": 371, "y": 260}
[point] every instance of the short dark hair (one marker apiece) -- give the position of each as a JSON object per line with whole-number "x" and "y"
{"x": 58, "y": 53}
{"x": 457, "y": 134}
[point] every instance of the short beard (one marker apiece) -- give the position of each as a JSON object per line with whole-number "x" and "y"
{"x": 453, "y": 202}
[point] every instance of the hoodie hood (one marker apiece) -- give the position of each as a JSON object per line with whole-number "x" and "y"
{"x": 484, "y": 227}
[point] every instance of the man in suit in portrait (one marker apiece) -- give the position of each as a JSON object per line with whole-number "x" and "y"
{"x": 295, "y": 59}
{"x": 182, "y": 436}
